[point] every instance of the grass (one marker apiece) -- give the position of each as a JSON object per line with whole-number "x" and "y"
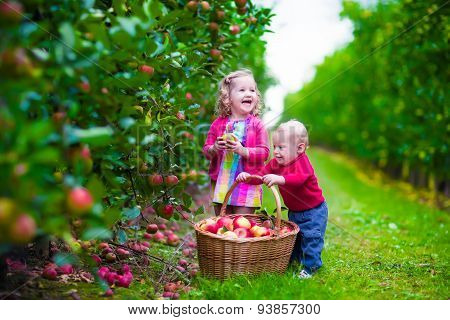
{"x": 379, "y": 245}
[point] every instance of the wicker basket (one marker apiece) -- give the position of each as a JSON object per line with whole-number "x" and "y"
{"x": 221, "y": 257}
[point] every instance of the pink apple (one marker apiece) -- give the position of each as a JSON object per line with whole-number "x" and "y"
{"x": 257, "y": 231}
{"x": 241, "y": 222}
{"x": 213, "y": 227}
{"x": 222, "y": 230}
{"x": 230, "y": 235}
{"x": 267, "y": 224}
{"x": 243, "y": 233}
{"x": 226, "y": 222}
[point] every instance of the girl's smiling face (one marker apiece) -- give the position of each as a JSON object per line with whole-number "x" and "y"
{"x": 243, "y": 96}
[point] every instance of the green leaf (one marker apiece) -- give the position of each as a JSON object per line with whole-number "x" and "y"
{"x": 100, "y": 233}
{"x": 130, "y": 213}
{"x": 67, "y": 34}
{"x": 96, "y": 187}
{"x": 122, "y": 236}
{"x": 187, "y": 200}
{"x": 97, "y": 136}
{"x": 63, "y": 258}
{"x": 111, "y": 216}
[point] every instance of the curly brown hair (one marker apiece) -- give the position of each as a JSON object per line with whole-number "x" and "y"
{"x": 223, "y": 104}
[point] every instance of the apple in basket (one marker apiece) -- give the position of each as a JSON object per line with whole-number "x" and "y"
{"x": 258, "y": 231}
{"x": 222, "y": 230}
{"x": 268, "y": 224}
{"x": 243, "y": 233}
{"x": 241, "y": 222}
{"x": 226, "y": 222}
{"x": 209, "y": 225}
{"x": 230, "y": 235}
{"x": 285, "y": 229}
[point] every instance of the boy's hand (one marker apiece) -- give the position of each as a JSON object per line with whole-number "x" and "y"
{"x": 242, "y": 177}
{"x": 273, "y": 179}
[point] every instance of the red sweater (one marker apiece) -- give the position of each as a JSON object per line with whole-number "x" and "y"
{"x": 301, "y": 190}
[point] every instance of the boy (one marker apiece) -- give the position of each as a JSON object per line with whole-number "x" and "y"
{"x": 292, "y": 172}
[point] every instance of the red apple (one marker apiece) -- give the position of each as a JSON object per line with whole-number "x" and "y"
{"x": 188, "y": 96}
{"x": 79, "y": 200}
{"x": 173, "y": 239}
{"x": 220, "y": 15}
{"x": 257, "y": 231}
{"x": 49, "y": 273}
{"x": 215, "y": 54}
{"x": 268, "y": 224}
{"x": 241, "y": 222}
{"x": 171, "y": 180}
{"x": 192, "y": 5}
{"x": 187, "y": 252}
{"x": 96, "y": 259}
{"x": 162, "y": 226}
{"x": 158, "y": 236}
{"x": 103, "y": 245}
{"x": 167, "y": 211}
{"x": 152, "y": 228}
{"x": 155, "y": 180}
{"x": 65, "y": 269}
{"x": 147, "y": 69}
{"x": 205, "y": 6}
{"x": 110, "y": 257}
{"x": 147, "y": 236}
{"x": 181, "y": 116}
{"x": 235, "y": 29}
{"x": 226, "y": 222}
{"x": 242, "y": 10}
{"x": 84, "y": 86}
{"x": 243, "y": 233}
{"x": 23, "y": 229}
{"x": 213, "y": 27}
{"x": 122, "y": 252}
{"x": 240, "y": 3}
{"x": 11, "y": 11}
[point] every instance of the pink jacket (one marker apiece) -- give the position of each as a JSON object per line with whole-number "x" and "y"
{"x": 256, "y": 144}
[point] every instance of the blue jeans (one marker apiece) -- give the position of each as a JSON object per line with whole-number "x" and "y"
{"x": 309, "y": 243}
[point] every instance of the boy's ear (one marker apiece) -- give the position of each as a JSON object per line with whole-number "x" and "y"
{"x": 301, "y": 148}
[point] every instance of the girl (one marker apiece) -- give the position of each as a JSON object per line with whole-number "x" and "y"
{"x": 236, "y": 142}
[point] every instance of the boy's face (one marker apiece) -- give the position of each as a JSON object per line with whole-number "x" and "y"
{"x": 243, "y": 95}
{"x": 286, "y": 148}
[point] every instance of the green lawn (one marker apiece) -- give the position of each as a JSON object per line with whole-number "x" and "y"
{"x": 379, "y": 245}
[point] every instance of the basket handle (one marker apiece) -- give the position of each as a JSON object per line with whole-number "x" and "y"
{"x": 272, "y": 188}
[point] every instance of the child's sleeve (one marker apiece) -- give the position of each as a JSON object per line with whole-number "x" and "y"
{"x": 302, "y": 171}
{"x": 260, "y": 152}
{"x": 262, "y": 172}
{"x": 210, "y": 140}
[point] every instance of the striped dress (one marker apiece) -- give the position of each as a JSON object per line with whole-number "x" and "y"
{"x": 244, "y": 195}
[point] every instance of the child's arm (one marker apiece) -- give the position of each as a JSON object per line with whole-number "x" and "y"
{"x": 260, "y": 152}
{"x": 213, "y": 143}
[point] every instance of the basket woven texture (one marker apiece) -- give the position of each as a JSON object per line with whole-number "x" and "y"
{"x": 221, "y": 257}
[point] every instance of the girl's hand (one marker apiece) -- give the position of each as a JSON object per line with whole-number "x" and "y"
{"x": 237, "y": 147}
{"x": 220, "y": 144}
{"x": 242, "y": 177}
{"x": 273, "y": 179}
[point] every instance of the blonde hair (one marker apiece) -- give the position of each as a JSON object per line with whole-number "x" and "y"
{"x": 223, "y": 104}
{"x": 296, "y": 129}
